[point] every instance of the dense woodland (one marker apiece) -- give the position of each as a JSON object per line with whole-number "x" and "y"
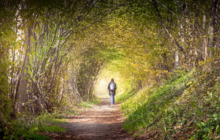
{"x": 166, "y": 52}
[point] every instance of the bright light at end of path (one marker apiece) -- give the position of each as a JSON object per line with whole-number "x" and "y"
{"x": 103, "y": 79}
{"x": 101, "y": 87}
{"x": 102, "y": 83}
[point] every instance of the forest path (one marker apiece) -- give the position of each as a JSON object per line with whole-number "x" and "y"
{"x": 101, "y": 122}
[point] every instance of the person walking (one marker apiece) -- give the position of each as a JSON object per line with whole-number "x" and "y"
{"x": 112, "y": 87}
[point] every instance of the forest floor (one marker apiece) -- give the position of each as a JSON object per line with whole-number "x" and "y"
{"x": 100, "y": 122}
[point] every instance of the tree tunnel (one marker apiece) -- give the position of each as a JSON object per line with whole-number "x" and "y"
{"x": 61, "y": 52}
{"x": 163, "y": 55}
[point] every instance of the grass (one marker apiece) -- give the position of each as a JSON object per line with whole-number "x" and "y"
{"x": 32, "y": 127}
{"x": 147, "y": 103}
{"x": 126, "y": 95}
{"x": 186, "y": 107}
{"x": 90, "y": 103}
{"x": 85, "y": 105}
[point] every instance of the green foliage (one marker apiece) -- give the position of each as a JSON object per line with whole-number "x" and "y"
{"x": 85, "y": 105}
{"x": 152, "y": 101}
{"x": 6, "y": 42}
{"x": 185, "y": 107}
{"x": 140, "y": 39}
{"x": 33, "y": 136}
{"x": 126, "y": 95}
{"x": 95, "y": 101}
{"x": 89, "y": 103}
{"x": 31, "y": 127}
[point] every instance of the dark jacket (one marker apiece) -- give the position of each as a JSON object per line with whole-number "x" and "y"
{"x": 112, "y": 91}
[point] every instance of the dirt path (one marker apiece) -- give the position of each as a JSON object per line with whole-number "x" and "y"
{"x": 101, "y": 122}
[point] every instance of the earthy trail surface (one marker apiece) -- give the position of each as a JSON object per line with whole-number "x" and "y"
{"x": 101, "y": 122}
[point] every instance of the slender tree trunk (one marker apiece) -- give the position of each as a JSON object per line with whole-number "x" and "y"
{"x": 177, "y": 58}
{"x": 164, "y": 27}
{"x": 212, "y": 26}
{"x": 205, "y": 40}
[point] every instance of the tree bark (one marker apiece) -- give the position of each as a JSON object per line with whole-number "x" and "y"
{"x": 205, "y": 39}
{"x": 212, "y": 26}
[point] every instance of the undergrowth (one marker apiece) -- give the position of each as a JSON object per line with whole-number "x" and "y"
{"x": 32, "y": 127}
{"x": 186, "y": 107}
{"x": 125, "y": 95}
{"x": 89, "y": 103}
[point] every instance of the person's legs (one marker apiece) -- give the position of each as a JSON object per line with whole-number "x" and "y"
{"x": 112, "y": 99}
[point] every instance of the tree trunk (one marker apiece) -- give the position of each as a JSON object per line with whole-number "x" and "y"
{"x": 212, "y": 26}
{"x": 23, "y": 97}
{"x": 205, "y": 40}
